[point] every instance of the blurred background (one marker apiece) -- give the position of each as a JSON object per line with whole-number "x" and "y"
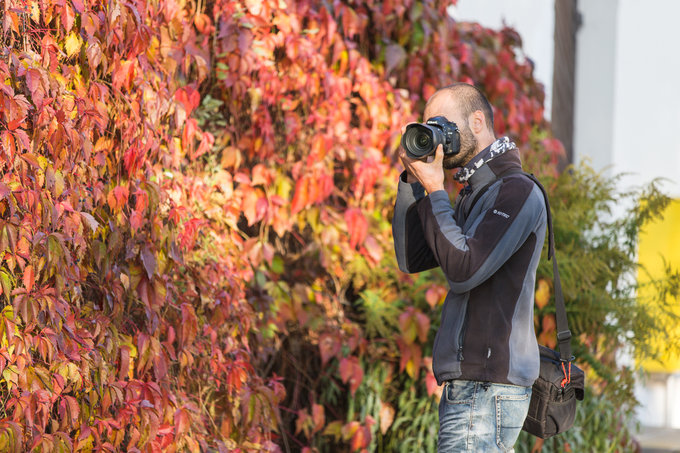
{"x": 610, "y": 74}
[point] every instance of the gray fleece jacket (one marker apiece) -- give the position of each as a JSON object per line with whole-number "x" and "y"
{"x": 489, "y": 257}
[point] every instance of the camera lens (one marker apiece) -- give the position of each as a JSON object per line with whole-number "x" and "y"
{"x": 418, "y": 141}
{"x": 423, "y": 141}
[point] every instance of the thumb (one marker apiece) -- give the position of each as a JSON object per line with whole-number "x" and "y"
{"x": 439, "y": 154}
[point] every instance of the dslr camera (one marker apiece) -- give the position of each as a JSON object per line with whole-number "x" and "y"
{"x": 421, "y": 140}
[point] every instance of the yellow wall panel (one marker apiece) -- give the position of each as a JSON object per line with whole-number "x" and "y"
{"x": 658, "y": 241}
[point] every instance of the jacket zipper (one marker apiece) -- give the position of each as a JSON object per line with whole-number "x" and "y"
{"x": 461, "y": 336}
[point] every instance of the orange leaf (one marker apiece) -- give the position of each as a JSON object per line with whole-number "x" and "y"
{"x": 318, "y": 417}
{"x": 435, "y": 295}
{"x": 361, "y": 438}
{"x": 249, "y": 205}
{"x": 31, "y": 159}
{"x": 67, "y": 17}
{"x": 549, "y": 323}
{"x": 548, "y": 339}
{"x": 408, "y": 328}
{"x": 386, "y": 417}
{"x": 123, "y": 73}
{"x": 29, "y": 278}
{"x": 300, "y": 199}
{"x": 301, "y": 421}
{"x": 117, "y": 197}
{"x": 414, "y": 323}
{"x": 260, "y": 175}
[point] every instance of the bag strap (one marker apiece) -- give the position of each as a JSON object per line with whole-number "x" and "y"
{"x": 563, "y": 332}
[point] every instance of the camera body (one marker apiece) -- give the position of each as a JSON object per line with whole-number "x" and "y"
{"x": 421, "y": 140}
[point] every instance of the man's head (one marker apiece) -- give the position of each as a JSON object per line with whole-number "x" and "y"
{"x": 466, "y": 106}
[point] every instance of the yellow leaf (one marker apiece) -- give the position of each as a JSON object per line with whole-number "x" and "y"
{"x": 59, "y": 183}
{"x": 411, "y": 368}
{"x": 542, "y": 293}
{"x": 35, "y": 11}
{"x": 72, "y": 44}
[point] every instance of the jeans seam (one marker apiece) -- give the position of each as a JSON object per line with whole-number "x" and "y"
{"x": 499, "y": 442}
{"x": 472, "y": 414}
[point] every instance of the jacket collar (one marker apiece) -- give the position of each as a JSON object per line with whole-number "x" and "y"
{"x": 484, "y": 157}
{"x": 491, "y": 170}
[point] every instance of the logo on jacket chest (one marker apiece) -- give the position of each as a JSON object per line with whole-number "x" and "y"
{"x": 501, "y": 213}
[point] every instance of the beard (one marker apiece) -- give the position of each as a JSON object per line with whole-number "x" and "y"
{"x": 468, "y": 145}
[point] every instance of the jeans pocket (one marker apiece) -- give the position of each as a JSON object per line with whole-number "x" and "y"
{"x": 459, "y": 392}
{"x": 511, "y": 410}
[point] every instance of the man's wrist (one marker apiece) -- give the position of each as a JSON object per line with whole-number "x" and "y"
{"x": 434, "y": 188}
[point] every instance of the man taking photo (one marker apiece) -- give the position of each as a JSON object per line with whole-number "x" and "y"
{"x": 488, "y": 245}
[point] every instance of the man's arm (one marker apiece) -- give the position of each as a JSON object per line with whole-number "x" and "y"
{"x": 412, "y": 251}
{"x": 503, "y": 227}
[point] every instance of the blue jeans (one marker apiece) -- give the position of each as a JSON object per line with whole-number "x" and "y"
{"x": 481, "y": 416}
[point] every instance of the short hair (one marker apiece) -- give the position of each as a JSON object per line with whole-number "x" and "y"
{"x": 471, "y": 99}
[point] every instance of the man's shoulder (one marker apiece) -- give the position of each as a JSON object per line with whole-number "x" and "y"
{"x": 520, "y": 188}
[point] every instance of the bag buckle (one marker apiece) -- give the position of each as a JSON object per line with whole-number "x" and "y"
{"x": 564, "y": 335}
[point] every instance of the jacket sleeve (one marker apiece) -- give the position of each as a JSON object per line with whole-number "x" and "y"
{"x": 508, "y": 215}
{"x": 412, "y": 250}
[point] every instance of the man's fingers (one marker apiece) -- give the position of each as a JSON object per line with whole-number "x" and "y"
{"x": 439, "y": 153}
{"x": 403, "y": 128}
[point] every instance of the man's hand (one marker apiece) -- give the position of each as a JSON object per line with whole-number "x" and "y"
{"x": 429, "y": 174}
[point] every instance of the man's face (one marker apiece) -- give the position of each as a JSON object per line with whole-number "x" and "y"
{"x": 444, "y": 106}
{"x": 468, "y": 145}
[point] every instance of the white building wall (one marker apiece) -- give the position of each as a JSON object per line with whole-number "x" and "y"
{"x": 647, "y": 92}
{"x": 595, "y": 83}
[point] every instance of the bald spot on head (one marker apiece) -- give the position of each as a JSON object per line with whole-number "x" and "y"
{"x": 462, "y": 98}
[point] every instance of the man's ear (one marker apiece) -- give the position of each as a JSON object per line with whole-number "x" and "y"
{"x": 477, "y": 122}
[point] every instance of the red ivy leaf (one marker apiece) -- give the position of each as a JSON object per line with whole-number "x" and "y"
{"x": 136, "y": 220}
{"x": 329, "y": 347}
{"x": 182, "y": 422}
{"x": 357, "y": 226}
{"x": 123, "y": 73}
{"x": 351, "y": 371}
{"x": 188, "y": 97}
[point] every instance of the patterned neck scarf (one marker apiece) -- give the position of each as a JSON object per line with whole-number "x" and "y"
{"x": 500, "y": 146}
